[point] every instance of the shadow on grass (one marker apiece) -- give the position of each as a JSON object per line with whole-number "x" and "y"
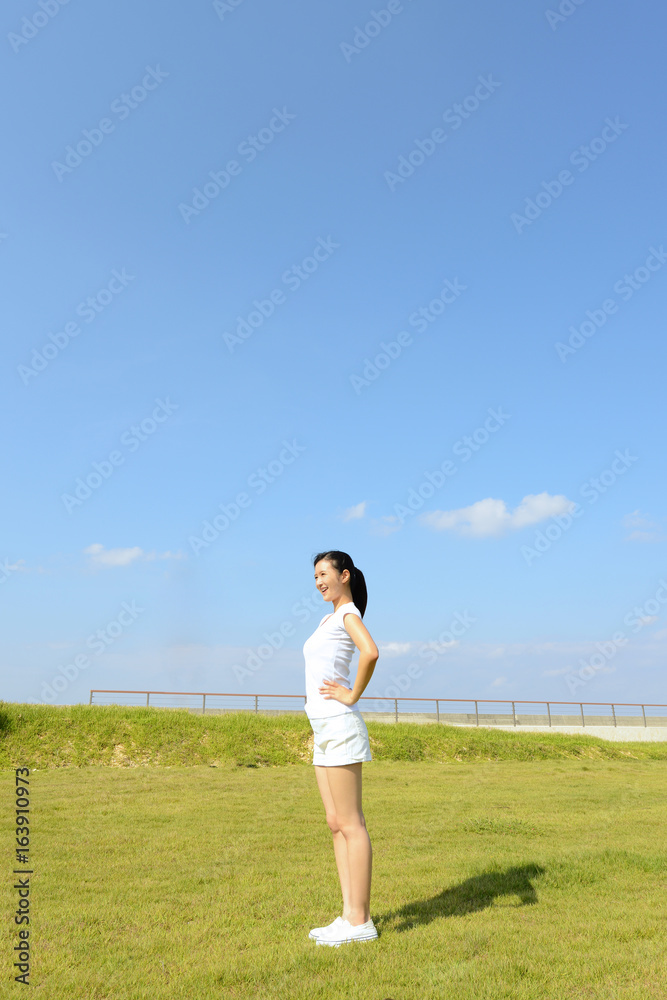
{"x": 474, "y": 894}
{"x": 5, "y": 722}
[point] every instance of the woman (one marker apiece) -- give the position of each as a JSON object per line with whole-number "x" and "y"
{"x": 341, "y": 738}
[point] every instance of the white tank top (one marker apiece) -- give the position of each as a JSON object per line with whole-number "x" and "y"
{"x": 328, "y": 653}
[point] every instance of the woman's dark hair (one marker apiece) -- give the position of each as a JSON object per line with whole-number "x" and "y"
{"x": 341, "y": 561}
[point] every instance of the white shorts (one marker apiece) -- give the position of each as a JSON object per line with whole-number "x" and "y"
{"x": 340, "y": 739}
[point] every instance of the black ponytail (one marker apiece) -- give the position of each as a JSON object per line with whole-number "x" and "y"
{"x": 342, "y": 561}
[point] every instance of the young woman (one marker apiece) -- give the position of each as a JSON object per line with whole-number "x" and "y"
{"x": 341, "y": 737}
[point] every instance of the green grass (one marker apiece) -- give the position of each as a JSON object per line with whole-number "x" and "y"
{"x": 82, "y": 735}
{"x": 530, "y": 880}
{"x": 505, "y": 865}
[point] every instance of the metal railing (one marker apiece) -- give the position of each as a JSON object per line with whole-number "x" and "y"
{"x": 436, "y": 701}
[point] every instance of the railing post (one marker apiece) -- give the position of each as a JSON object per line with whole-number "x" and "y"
{"x": 613, "y": 712}
{"x": 148, "y": 694}
{"x": 256, "y": 710}
{"x": 476, "y": 714}
{"x": 395, "y": 709}
{"x": 437, "y": 710}
{"x": 549, "y": 712}
{"x": 203, "y": 704}
{"x": 644, "y": 714}
{"x": 91, "y": 697}
{"x": 582, "y": 713}
{"x": 513, "y": 714}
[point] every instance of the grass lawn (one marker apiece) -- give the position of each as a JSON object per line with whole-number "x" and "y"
{"x": 541, "y": 879}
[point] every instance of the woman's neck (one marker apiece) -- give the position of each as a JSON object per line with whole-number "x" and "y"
{"x": 343, "y": 599}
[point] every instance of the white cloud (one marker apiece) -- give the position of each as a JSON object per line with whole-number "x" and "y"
{"x": 123, "y": 557}
{"x": 654, "y": 532}
{"x": 490, "y": 517}
{"x": 385, "y": 525}
{"x": 112, "y": 557}
{"x": 499, "y": 681}
{"x": 439, "y": 647}
{"x": 353, "y": 513}
{"x": 165, "y": 555}
{"x": 19, "y": 567}
{"x": 395, "y": 648}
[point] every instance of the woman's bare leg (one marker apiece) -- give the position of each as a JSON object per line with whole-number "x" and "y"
{"x": 339, "y": 843}
{"x": 345, "y": 789}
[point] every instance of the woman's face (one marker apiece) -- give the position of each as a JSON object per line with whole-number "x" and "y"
{"x": 329, "y": 582}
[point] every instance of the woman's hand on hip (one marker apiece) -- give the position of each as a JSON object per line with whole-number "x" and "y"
{"x": 342, "y": 694}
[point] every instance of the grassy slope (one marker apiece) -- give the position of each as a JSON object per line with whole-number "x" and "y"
{"x": 39, "y": 736}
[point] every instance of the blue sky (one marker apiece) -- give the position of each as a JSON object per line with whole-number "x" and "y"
{"x": 385, "y": 279}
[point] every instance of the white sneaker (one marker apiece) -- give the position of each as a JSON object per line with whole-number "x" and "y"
{"x": 318, "y": 931}
{"x": 346, "y": 933}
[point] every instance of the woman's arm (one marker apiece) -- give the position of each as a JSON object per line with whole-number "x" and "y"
{"x": 368, "y": 657}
